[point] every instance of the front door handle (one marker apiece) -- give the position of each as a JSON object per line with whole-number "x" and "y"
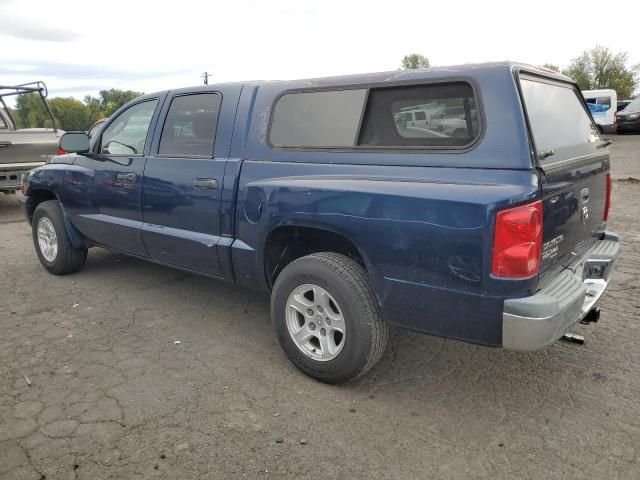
{"x": 127, "y": 178}
{"x": 205, "y": 183}
{"x": 5, "y": 144}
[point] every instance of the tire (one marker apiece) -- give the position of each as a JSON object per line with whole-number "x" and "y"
{"x": 65, "y": 259}
{"x": 349, "y": 302}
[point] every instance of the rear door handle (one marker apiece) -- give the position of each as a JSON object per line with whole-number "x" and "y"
{"x": 5, "y": 144}
{"x": 205, "y": 183}
{"x": 126, "y": 178}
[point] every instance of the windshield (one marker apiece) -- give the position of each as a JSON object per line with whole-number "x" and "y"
{"x": 634, "y": 106}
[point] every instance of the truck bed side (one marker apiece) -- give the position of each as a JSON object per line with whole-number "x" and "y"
{"x": 421, "y": 232}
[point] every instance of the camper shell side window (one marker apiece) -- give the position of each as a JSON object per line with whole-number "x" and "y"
{"x": 439, "y": 115}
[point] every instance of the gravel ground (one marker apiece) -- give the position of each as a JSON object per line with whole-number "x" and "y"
{"x": 112, "y": 395}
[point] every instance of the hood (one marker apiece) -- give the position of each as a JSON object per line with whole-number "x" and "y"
{"x": 626, "y": 113}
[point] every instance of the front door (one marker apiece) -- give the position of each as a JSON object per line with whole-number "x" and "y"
{"x": 183, "y": 177}
{"x": 105, "y": 186}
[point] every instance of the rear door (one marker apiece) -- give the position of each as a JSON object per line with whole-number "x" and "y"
{"x": 574, "y": 162}
{"x": 183, "y": 178}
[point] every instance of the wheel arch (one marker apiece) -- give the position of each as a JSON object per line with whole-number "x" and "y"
{"x": 35, "y": 198}
{"x": 38, "y": 196}
{"x": 285, "y": 243}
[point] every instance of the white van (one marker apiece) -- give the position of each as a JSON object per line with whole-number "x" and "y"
{"x": 603, "y": 105}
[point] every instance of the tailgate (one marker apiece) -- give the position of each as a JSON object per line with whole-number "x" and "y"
{"x": 27, "y": 146}
{"x": 574, "y": 163}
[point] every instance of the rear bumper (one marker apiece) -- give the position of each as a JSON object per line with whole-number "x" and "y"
{"x": 11, "y": 174}
{"x": 10, "y": 180}
{"x": 532, "y": 323}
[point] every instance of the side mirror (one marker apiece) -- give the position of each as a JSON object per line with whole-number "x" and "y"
{"x": 74, "y": 142}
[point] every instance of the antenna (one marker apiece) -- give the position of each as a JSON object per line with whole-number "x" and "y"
{"x": 206, "y": 76}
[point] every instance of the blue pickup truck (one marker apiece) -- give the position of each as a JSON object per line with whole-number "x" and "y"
{"x": 466, "y": 202}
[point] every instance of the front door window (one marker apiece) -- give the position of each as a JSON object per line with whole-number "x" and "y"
{"x": 127, "y": 134}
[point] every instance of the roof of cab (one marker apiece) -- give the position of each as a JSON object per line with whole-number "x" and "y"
{"x": 467, "y": 69}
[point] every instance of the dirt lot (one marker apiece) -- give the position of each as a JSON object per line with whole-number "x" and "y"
{"x": 112, "y": 395}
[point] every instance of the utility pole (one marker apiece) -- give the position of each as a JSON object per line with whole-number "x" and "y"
{"x": 206, "y": 76}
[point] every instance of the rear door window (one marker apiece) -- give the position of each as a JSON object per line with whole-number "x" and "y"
{"x": 190, "y": 127}
{"x": 558, "y": 118}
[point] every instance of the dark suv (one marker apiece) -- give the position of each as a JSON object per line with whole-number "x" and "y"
{"x": 353, "y": 217}
{"x": 628, "y": 119}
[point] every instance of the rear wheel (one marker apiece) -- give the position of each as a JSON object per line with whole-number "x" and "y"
{"x": 327, "y": 319}
{"x": 52, "y": 242}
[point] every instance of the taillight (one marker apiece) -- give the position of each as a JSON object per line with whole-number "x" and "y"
{"x": 517, "y": 241}
{"x": 60, "y": 152}
{"x": 607, "y": 199}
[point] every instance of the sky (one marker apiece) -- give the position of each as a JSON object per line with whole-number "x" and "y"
{"x": 79, "y": 47}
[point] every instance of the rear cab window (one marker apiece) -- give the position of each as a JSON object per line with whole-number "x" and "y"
{"x": 438, "y": 115}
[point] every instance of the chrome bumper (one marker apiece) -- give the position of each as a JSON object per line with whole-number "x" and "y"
{"x": 532, "y": 323}
{"x": 10, "y": 180}
{"x": 11, "y": 174}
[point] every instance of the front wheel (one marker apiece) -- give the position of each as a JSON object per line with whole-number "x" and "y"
{"x": 52, "y": 242}
{"x": 327, "y": 318}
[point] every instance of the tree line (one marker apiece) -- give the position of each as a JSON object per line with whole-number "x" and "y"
{"x": 70, "y": 113}
{"x": 594, "y": 69}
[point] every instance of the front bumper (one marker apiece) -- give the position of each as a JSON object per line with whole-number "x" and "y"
{"x": 632, "y": 126}
{"x": 532, "y": 323}
{"x": 610, "y": 128}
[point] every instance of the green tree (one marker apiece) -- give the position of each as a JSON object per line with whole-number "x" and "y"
{"x": 71, "y": 114}
{"x": 30, "y": 112}
{"x": 112, "y": 99}
{"x": 414, "y": 61}
{"x": 551, "y": 66}
{"x": 601, "y": 68}
{"x": 93, "y": 106}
